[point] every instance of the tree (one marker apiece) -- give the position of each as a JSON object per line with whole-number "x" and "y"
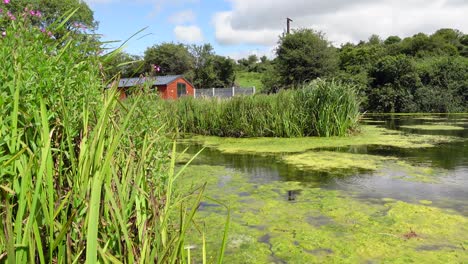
{"x": 394, "y": 81}
{"x": 172, "y": 59}
{"x": 53, "y": 11}
{"x": 305, "y": 55}
{"x": 392, "y": 40}
{"x": 211, "y": 70}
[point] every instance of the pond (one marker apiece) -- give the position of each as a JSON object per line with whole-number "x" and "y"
{"x": 396, "y": 192}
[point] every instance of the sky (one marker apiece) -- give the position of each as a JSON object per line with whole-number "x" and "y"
{"x": 238, "y": 28}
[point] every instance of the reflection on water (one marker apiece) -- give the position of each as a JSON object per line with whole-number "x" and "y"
{"x": 450, "y": 192}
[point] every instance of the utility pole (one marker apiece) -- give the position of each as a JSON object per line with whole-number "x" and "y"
{"x": 288, "y": 22}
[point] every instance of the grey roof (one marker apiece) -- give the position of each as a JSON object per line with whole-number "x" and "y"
{"x": 158, "y": 80}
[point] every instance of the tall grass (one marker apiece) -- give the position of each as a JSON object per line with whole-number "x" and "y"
{"x": 83, "y": 177}
{"x": 320, "y": 108}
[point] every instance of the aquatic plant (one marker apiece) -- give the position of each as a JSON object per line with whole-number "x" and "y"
{"x": 320, "y": 108}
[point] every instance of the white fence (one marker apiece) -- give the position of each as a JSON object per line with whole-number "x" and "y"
{"x": 224, "y": 92}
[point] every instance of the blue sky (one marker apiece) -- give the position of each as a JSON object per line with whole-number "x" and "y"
{"x": 238, "y": 28}
{"x": 119, "y": 20}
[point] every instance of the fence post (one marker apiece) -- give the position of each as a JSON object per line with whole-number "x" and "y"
{"x": 233, "y": 91}
{"x": 194, "y": 93}
{"x": 213, "y": 92}
{"x": 253, "y": 90}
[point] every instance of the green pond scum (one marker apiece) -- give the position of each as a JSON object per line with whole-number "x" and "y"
{"x": 286, "y": 222}
{"x": 368, "y": 135}
{"x": 434, "y": 127}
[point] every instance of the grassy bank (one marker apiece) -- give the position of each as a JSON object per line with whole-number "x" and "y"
{"x": 249, "y": 79}
{"x": 321, "y": 108}
{"x": 83, "y": 177}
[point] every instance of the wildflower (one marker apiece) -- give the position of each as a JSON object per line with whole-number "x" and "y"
{"x": 6, "y": 1}
{"x": 11, "y": 16}
{"x": 3, "y": 33}
{"x": 38, "y": 13}
{"x": 32, "y": 12}
{"x": 157, "y": 68}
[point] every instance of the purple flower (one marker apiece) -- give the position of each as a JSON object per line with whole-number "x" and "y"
{"x": 11, "y": 16}
{"x": 157, "y": 68}
{"x": 6, "y": 1}
{"x": 32, "y": 12}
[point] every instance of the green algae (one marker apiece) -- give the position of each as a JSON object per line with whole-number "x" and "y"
{"x": 332, "y": 161}
{"x": 369, "y": 135}
{"x": 320, "y": 226}
{"x": 434, "y": 127}
{"x": 342, "y": 163}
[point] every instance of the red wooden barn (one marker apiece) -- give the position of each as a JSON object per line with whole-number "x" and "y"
{"x": 169, "y": 87}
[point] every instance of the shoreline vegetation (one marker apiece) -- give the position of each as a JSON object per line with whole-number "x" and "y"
{"x": 84, "y": 177}
{"x": 320, "y": 108}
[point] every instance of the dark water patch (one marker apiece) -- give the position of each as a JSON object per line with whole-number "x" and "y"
{"x": 319, "y": 251}
{"x": 437, "y": 247}
{"x": 244, "y": 194}
{"x": 205, "y": 205}
{"x": 319, "y": 220}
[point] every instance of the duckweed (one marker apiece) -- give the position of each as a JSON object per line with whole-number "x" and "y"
{"x": 434, "y": 127}
{"x": 321, "y": 226}
{"x": 369, "y": 135}
{"x": 333, "y": 161}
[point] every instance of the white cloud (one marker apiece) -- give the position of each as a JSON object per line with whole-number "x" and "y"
{"x": 226, "y": 34}
{"x": 188, "y": 34}
{"x": 183, "y": 17}
{"x": 261, "y": 21}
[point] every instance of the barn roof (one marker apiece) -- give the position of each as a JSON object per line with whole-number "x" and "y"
{"x": 158, "y": 80}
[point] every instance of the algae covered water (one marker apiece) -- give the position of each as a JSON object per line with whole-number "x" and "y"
{"x": 396, "y": 192}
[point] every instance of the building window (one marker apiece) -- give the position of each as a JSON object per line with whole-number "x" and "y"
{"x": 181, "y": 89}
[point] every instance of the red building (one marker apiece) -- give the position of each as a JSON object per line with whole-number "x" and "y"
{"x": 169, "y": 87}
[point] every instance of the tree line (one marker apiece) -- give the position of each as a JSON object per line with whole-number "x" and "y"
{"x": 422, "y": 73}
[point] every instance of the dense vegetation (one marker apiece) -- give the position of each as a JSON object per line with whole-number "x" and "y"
{"x": 83, "y": 177}
{"x": 423, "y": 73}
{"x": 320, "y": 108}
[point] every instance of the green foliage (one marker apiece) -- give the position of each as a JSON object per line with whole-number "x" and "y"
{"x": 423, "y": 73}
{"x": 318, "y": 109}
{"x": 83, "y": 177}
{"x": 445, "y": 85}
{"x": 210, "y": 69}
{"x": 304, "y": 56}
{"x": 173, "y": 59}
{"x": 55, "y": 11}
